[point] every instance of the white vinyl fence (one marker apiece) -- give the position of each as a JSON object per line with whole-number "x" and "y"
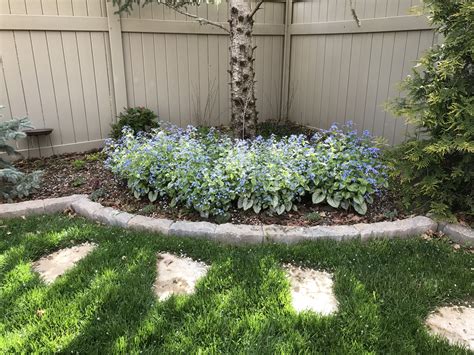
{"x": 71, "y": 65}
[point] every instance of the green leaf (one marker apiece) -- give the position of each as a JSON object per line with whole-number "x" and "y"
{"x": 275, "y": 201}
{"x": 257, "y": 208}
{"x": 173, "y": 202}
{"x": 345, "y": 204}
{"x": 358, "y": 199}
{"x": 318, "y": 196}
{"x": 280, "y": 209}
{"x": 136, "y": 194}
{"x": 240, "y": 202}
{"x": 152, "y": 196}
{"x": 353, "y": 187}
{"x": 333, "y": 202}
{"x": 247, "y": 203}
{"x": 360, "y": 208}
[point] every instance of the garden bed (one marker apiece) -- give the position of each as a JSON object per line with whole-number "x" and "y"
{"x": 85, "y": 173}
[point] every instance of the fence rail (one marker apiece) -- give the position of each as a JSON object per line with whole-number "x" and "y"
{"x": 72, "y": 65}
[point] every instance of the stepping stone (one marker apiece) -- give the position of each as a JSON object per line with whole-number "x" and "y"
{"x": 177, "y": 275}
{"x": 456, "y": 324}
{"x": 311, "y": 290}
{"x": 54, "y": 265}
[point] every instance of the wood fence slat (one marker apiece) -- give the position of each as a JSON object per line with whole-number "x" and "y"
{"x": 101, "y": 71}
{"x": 183, "y": 80}
{"x": 45, "y": 85}
{"x": 61, "y": 88}
{"x": 161, "y": 76}
{"x": 76, "y": 90}
{"x": 12, "y": 74}
{"x": 74, "y": 64}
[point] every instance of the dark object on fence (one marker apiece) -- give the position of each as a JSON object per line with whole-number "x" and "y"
{"x": 37, "y": 133}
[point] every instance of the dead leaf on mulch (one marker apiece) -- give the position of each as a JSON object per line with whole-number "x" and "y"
{"x": 69, "y": 212}
{"x": 426, "y": 237}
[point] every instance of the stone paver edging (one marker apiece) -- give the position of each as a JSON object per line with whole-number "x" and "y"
{"x": 458, "y": 233}
{"x": 235, "y": 233}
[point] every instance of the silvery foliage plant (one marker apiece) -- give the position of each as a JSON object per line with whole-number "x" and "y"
{"x": 211, "y": 172}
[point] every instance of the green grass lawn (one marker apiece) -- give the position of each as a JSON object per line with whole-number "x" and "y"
{"x": 106, "y": 304}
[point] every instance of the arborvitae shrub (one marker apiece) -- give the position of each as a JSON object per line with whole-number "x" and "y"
{"x": 436, "y": 166}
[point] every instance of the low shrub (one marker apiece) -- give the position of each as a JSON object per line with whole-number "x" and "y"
{"x": 147, "y": 210}
{"x": 97, "y": 194}
{"x": 139, "y": 119}
{"x": 314, "y": 216}
{"x": 96, "y": 156}
{"x": 79, "y": 181}
{"x": 210, "y": 173}
{"x": 78, "y": 164}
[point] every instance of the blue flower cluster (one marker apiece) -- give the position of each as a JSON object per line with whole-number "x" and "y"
{"x": 212, "y": 172}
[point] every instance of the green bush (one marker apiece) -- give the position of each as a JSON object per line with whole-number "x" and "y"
{"x": 139, "y": 119}
{"x": 313, "y": 216}
{"x": 14, "y": 183}
{"x": 96, "y": 156}
{"x": 436, "y": 167}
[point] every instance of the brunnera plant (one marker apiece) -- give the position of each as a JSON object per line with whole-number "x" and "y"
{"x": 436, "y": 166}
{"x": 211, "y": 173}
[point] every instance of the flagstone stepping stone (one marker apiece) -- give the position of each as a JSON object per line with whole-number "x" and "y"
{"x": 51, "y": 266}
{"x": 456, "y": 324}
{"x": 311, "y": 290}
{"x": 177, "y": 275}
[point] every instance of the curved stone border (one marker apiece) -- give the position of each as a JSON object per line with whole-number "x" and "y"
{"x": 234, "y": 233}
{"x": 458, "y": 233}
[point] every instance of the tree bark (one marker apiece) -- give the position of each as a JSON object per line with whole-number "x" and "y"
{"x": 242, "y": 82}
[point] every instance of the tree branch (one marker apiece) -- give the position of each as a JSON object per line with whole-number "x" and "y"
{"x": 256, "y": 8}
{"x": 201, "y": 20}
{"x": 354, "y": 13}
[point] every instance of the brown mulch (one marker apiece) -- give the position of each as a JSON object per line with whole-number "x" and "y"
{"x": 85, "y": 174}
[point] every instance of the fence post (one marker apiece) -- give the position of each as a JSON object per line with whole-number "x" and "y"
{"x": 116, "y": 57}
{"x": 285, "y": 88}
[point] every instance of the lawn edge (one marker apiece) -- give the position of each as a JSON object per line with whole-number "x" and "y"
{"x": 238, "y": 234}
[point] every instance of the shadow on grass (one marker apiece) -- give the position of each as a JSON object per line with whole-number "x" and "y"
{"x": 105, "y": 304}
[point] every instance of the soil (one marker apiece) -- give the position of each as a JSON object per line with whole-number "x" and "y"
{"x": 85, "y": 173}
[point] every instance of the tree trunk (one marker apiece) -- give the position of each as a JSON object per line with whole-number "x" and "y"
{"x": 242, "y": 82}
